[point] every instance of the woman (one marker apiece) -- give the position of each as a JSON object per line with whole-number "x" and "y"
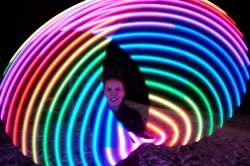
{"x": 115, "y": 91}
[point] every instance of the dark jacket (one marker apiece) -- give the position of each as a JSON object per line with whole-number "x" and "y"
{"x": 131, "y": 119}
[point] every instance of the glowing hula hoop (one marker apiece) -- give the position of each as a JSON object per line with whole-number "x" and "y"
{"x": 51, "y": 88}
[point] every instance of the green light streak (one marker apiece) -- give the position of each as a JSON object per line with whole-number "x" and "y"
{"x": 190, "y": 85}
{"x": 168, "y": 89}
{"x": 184, "y": 67}
{"x": 59, "y": 92}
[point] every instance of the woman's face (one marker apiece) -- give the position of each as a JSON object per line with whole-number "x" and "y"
{"x": 114, "y": 92}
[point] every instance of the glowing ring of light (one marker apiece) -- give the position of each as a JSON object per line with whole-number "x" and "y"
{"x": 207, "y": 57}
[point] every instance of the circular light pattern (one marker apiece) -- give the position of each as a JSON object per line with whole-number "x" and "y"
{"x": 191, "y": 54}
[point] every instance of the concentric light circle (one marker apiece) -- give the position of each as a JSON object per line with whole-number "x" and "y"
{"x": 190, "y": 52}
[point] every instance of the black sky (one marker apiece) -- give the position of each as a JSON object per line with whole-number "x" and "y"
{"x": 19, "y": 19}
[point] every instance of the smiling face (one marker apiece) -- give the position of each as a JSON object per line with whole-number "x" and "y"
{"x": 114, "y": 91}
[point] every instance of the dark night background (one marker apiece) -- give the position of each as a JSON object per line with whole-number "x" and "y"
{"x": 19, "y": 19}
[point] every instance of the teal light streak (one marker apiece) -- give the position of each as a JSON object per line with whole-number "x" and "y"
{"x": 85, "y": 121}
{"x": 175, "y": 92}
{"x": 74, "y": 114}
{"x": 155, "y": 59}
{"x": 69, "y": 77}
{"x": 204, "y": 50}
{"x": 190, "y": 85}
{"x": 176, "y": 52}
{"x": 218, "y": 47}
{"x": 109, "y": 128}
{"x": 97, "y": 127}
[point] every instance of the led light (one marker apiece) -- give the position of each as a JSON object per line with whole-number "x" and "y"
{"x": 191, "y": 53}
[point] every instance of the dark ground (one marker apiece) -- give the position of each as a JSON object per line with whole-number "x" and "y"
{"x": 229, "y": 146}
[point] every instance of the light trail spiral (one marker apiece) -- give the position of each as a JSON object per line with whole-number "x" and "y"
{"x": 191, "y": 53}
